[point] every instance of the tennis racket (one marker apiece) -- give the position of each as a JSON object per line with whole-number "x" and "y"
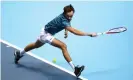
{"x": 113, "y": 31}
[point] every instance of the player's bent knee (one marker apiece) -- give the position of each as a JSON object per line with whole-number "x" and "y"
{"x": 63, "y": 46}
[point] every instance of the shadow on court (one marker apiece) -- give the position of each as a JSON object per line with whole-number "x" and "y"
{"x": 29, "y": 68}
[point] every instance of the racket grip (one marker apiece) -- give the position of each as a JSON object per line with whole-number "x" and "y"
{"x": 99, "y": 34}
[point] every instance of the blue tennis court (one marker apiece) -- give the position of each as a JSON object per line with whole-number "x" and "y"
{"x": 29, "y": 68}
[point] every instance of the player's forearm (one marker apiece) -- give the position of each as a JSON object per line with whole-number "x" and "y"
{"x": 80, "y": 33}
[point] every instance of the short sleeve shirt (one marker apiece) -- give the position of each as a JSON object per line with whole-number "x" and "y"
{"x": 57, "y": 24}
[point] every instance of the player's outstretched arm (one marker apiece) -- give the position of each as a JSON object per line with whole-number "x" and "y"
{"x": 80, "y": 33}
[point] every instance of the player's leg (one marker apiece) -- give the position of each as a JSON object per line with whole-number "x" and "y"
{"x": 63, "y": 47}
{"x": 31, "y": 46}
{"x": 39, "y": 42}
{"x": 19, "y": 54}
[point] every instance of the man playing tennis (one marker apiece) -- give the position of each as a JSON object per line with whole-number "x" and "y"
{"x": 56, "y": 25}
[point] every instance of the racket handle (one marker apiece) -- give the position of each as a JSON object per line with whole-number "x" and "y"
{"x": 99, "y": 34}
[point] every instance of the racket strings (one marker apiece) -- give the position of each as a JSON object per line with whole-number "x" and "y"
{"x": 117, "y": 30}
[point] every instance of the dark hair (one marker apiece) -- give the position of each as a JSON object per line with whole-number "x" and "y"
{"x": 68, "y": 8}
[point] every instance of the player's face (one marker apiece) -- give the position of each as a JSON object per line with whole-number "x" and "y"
{"x": 69, "y": 15}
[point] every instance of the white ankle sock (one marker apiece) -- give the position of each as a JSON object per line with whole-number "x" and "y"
{"x": 22, "y": 52}
{"x": 72, "y": 65}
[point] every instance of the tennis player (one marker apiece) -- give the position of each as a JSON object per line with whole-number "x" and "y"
{"x": 61, "y": 22}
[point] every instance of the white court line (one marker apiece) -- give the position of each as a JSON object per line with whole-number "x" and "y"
{"x": 42, "y": 59}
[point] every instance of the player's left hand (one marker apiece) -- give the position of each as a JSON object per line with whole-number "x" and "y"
{"x": 65, "y": 36}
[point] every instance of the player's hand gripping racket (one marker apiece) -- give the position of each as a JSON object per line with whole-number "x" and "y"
{"x": 113, "y": 31}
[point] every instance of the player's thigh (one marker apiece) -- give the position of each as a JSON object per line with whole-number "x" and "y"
{"x": 57, "y": 43}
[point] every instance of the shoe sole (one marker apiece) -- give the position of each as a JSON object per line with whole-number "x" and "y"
{"x": 80, "y": 71}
